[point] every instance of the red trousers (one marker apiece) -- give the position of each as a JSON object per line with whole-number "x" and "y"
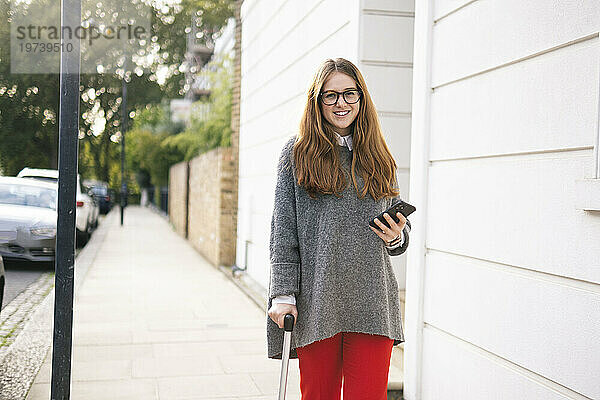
{"x": 362, "y": 359}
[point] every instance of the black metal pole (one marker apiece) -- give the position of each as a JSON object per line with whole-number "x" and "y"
{"x": 123, "y": 129}
{"x": 68, "y": 142}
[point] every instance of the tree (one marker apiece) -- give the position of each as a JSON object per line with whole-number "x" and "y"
{"x": 29, "y": 103}
{"x": 147, "y": 152}
{"x": 28, "y": 112}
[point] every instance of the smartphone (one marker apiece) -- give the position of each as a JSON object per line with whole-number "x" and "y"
{"x": 402, "y": 207}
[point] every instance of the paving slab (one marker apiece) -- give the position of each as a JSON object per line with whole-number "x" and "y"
{"x": 153, "y": 319}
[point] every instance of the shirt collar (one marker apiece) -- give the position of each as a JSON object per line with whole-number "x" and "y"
{"x": 344, "y": 140}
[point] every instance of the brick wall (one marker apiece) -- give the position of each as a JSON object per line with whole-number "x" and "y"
{"x": 213, "y": 186}
{"x": 212, "y": 206}
{"x": 178, "y": 176}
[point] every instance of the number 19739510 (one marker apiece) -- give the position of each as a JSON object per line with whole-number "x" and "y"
{"x": 44, "y": 47}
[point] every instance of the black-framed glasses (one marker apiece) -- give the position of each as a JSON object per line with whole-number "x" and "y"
{"x": 331, "y": 97}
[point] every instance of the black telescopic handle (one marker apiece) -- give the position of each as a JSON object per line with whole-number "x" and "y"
{"x": 288, "y": 322}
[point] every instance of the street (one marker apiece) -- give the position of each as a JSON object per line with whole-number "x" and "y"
{"x": 21, "y": 274}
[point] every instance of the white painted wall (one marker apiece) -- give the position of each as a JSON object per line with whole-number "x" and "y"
{"x": 385, "y": 60}
{"x": 503, "y": 285}
{"x": 283, "y": 44}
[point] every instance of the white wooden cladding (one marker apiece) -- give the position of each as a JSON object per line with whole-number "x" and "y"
{"x": 516, "y": 210}
{"x": 390, "y": 88}
{"x": 385, "y": 50}
{"x": 397, "y": 131}
{"x": 282, "y": 47}
{"x": 287, "y": 71}
{"x": 387, "y": 38}
{"x": 390, "y": 5}
{"x": 548, "y": 326}
{"x": 486, "y": 34}
{"x": 511, "y": 294}
{"x": 283, "y": 44}
{"x": 542, "y": 104}
{"x": 457, "y": 372}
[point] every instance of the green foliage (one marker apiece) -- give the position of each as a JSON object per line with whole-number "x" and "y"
{"x": 213, "y": 128}
{"x": 146, "y": 150}
{"x": 171, "y": 22}
{"x": 28, "y": 112}
{"x": 29, "y": 104}
{"x": 154, "y": 143}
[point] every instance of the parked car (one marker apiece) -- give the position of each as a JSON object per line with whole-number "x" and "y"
{"x": 100, "y": 192}
{"x": 28, "y": 219}
{"x": 86, "y": 215}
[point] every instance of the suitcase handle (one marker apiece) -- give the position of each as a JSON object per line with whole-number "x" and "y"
{"x": 288, "y": 327}
{"x": 288, "y": 323}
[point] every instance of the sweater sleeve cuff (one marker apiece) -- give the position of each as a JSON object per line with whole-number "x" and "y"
{"x": 401, "y": 248}
{"x": 285, "y": 279}
{"x": 399, "y": 243}
{"x": 290, "y": 299}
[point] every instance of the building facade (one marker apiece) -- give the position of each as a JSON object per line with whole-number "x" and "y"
{"x": 491, "y": 110}
{"x": 503, "y": 294}
{"x": 282, "y": 48}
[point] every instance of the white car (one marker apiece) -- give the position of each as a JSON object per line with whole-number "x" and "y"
{"x": 27, "y": 219}
{"x": 86, "y": 215}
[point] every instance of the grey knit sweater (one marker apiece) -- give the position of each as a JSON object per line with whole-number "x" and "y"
{"x": 323, "y": 251}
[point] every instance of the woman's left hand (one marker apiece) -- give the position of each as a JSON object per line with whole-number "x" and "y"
{"x": 388, "y": 234}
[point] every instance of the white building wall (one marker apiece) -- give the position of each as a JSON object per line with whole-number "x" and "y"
{"x": 503, "y": 285}
{"x": 385, "y": 60}
{"x": 283, "y": 44}
{"x": 226, "y": 42}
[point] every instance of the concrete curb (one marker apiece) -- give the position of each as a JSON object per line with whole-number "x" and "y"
{"x": 247, "y": 285}
{"x": 26, "y": 355}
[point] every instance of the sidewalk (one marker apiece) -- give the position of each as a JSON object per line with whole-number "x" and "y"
{"x": 154, "y": 320}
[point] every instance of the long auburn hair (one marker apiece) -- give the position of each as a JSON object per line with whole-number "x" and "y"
{"x": 316, "y": 160}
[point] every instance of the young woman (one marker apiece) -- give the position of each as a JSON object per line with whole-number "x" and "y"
{"x": 329, "y": 267}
